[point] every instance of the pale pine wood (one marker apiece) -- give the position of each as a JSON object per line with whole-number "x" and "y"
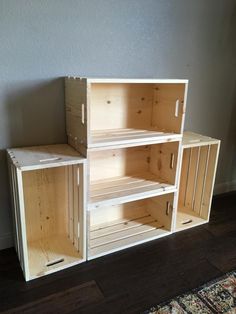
{"x": 49, "y": 204}
{"x": 120, "y": 175}
{"x": 210, "y": 179}
{"x": 166, "y": 115}
{"x": 77, "y": 97}
{"x": 191, "y": 139}
{"x": 199, "y": 163}
{"x": 22, "y": 222}
{"x": 54, "y": 249}
{"x": 119, "y": 112}
{"x": 41, "y": 157}
{"x": 187, "y": 219}
{"x": 115, "y": 227}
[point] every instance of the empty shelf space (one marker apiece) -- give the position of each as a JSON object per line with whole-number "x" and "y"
{"x": 120, "y": 189}
{"x": 110, "y": 113}
{"x": 112, "y": 137}
{"x": 114, "y": 227}
{"x": 188, "y": 219}
{"x": 124, "y": 174}
{"x": 124, "y": 234}
{"x": 51, "y": 254}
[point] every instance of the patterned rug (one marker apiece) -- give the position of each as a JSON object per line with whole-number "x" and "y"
{"x": 218, "y": 296}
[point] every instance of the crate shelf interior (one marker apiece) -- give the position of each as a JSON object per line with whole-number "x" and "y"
{"x": 123, "y": 174}
{"x": 199, "y": 161}
{"x": 109, "y": 112}
{"x": 48, "y": 208}
{"x": 116, "y": 227}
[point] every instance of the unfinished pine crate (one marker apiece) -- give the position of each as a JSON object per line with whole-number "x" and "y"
{"x": 125, "y": 174}
{"x": 111, "y": 112}
{"x": 115, "y": 227}
{"x": 199, "y": 162}
{"x": 47, "y": 184}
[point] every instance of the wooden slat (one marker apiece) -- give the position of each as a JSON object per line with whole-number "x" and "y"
{"x": 210, "y": 179}
{"x": 116, "y": 190}
{"x": 128, "y": 136}
{"x": 188, "y": 175}
{"x": 41, "y": 157}
{"x": 127, "y": 242}
{"x": 75, "y": 207}
{"x": 191, "y": 181}
{"x": 183, "y": 177}
{"x": 70, "y": 202}
{"x": 200, "y": 179}
{"x": 120, "y": 226}
{"x": 191, "y": 139}
{"x": 195, "y": 177}
{"x": 82, "y": 207}
{"x": 124, "y": 233}
{"x": 22, "y": 222}
{"x": 204, "y": 179}
{"x": 116, "y": 186}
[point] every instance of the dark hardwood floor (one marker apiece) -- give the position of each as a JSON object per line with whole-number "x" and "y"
{"x": 132, "y": 280}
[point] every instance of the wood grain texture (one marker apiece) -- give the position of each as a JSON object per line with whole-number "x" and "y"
{"x": 198, "y": 170}
{"x": 98, "y": 111}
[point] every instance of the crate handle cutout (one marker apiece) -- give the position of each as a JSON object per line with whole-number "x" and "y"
{"x": 167, "y": 208}
{"x": 177, "y": 108}
{"x": 82, "y": 113}
{"x": 49, "y": 159}
{"x": 172, "y": 160}
{"x": 56, "y": 261}
{"x": 188, "y": 221}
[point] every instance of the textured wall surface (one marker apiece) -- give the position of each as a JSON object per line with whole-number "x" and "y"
{"x": 42, "y": 41}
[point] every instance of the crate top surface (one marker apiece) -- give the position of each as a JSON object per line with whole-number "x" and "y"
{"x": 191, "y": 139}
{"x": 40, "y": 157}
{"x": 130, "y": 80}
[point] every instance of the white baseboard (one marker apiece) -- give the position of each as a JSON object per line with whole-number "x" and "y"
{"x": 6, "y": 241}
{"x": 225, "y": 187}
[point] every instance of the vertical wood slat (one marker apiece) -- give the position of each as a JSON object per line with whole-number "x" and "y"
{"x": 187, "y": 180}
{"x": 17, "y": 216}
{"x": 200, "y": 179}
{"x": 23, "y": 224}
{"x": 207, "y": 199}
{"x": 71, "y": 203}
{"x": 196, "y": 177}
{"x": 82, "y": 210}
{"x": 75, "y": 207}
{"x": 204, "y": 180}
{"x": 13, "y": 206}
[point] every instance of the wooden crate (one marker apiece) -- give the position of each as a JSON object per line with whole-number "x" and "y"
{"x": 111, "y": 112}
{"x": 126, "y": 174}
{"x": 47, "y": 184}
{"x": 199, "y": 162}
{"x": 115, "y": 227}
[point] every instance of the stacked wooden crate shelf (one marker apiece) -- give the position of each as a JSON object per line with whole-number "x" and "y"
{"x": 130, "y": 131}
{"x": 48, "y": 207}
{"x": 128, "y": 175}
